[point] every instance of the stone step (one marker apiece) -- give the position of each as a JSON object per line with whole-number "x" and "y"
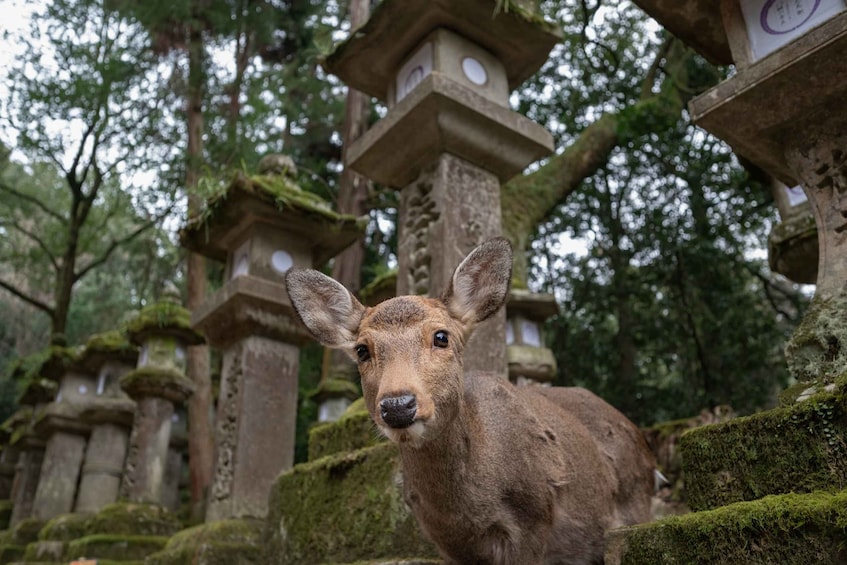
{"x": 354, "y": 430}
{"x": 788, "y": 528}
{"x": 225, "y": 542}
{"x": 797, "y": 448}
{"x": 343, "y": 508}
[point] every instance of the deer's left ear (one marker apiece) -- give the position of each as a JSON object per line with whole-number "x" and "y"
{"x": 480, "y": 283}
{"x": 325, "y": 307}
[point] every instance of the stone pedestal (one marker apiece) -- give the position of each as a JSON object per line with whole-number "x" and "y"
{"x": 449, "y": 138}
{"x": 66, "y": 438}
{"x": 27, "y": 473}
{"x": 103, "y": 467}
{"x": 251, "y": 320}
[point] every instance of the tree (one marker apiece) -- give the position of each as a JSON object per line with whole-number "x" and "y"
{"x": 80, "y": 116}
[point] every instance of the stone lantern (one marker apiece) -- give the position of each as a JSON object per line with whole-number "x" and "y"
{"x": 445, "y": 70}
{"x": 30, "y": 447}
{"x": 261, "y": 227}
{"x": 793, "y": 242}
{"x": 785, "y": 109}
{"x": 158, "y": 384}
{"x": 65, "y": 435}
{"x": 530, "y": 361}
{"x": 109, "y": 414}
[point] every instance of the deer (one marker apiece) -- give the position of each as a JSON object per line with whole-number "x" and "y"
{"x": 492, "y": 472}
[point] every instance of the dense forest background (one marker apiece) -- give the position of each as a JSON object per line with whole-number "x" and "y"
{"x": 117, "y": 115}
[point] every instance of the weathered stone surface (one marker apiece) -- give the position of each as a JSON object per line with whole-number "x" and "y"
{"x": 817, "y": 350}
{"x": 256, "y": 424}
{"x": 59, "y": 475}
{"x": 123, "y": 518}
{"x": 103, "y": 467}
{"x": 793, "y": 249}
{"x": 789, "y": 528}
{"x": 144, "y": 473}
{"x": 797, "y": 448}
{"x": 26, "y": 477}
{"x": 450, "y": 209}
{"x": 536, "y": 363}
{"x": 123, "y": 547}
{"x": 342, "y": 509}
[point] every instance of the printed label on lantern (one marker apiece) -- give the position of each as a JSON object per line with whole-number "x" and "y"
{"x": 774, "y": 23}
{"x": 796, "y": 196}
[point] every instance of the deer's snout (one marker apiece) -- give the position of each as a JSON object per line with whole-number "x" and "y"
{"x": 399, "y": 412}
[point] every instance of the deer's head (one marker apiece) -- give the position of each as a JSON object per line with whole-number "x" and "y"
{"x": 409, "y": 349}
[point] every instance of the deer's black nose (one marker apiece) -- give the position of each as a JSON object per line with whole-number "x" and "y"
{"x": 399, "y": 411}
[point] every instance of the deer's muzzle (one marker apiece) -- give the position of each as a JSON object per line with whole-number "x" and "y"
{"x": 399, "y": 412}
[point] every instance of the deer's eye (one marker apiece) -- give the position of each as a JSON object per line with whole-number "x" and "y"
{"x": 363, "y": 353}
{"x": 439, "y": 339}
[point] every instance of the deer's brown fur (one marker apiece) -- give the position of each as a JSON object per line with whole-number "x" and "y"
{"x": 493, "y": 473}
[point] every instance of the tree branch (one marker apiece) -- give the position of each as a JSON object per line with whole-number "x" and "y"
{"x": 32, "y": 200}
{"x": 27, "y": 298}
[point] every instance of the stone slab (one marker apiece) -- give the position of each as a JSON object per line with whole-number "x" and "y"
{"x": 770, "y": 103}
{"x": 225, "y": 542}
{"x": 443, "y": 116}
{"x": 789, "y": 528}
{"x": 797, "y": 448}
{"x": 354, "y": 430}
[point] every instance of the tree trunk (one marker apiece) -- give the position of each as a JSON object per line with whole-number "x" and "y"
{"x": 201, "y": 444}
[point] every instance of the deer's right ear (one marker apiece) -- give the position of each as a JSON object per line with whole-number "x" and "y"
{"x": 325, "y": 307}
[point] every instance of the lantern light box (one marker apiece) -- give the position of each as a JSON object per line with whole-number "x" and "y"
{"x": 773, "y": 23}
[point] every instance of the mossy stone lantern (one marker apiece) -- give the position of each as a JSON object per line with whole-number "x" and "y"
{"x": 445, "y": 69}
{"x": 37, "y": 392}
{"x": 65, "y": 434}
{"x": 260, "y": 227}
{"x": 162, "y": 331}
{"x": 530, "y": 361}
{"x": 785, "y": 109}
{"x": 110, "y": 414}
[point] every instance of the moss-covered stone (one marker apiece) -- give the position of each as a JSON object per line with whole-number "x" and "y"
{"x": 107, "y": 345}
{"x": 798, "y": 448}
{"x": 167, "y": 317}
{"x": 118, "y": 547}
{"x": 335, "y": 388}
{"x": 160, "y": 382}
{"x": 342, "y": 509}
{"x": 789, "y": 528}
{"x": 354, "y": 430}
{"x": 10, "y": 553}
{"x": 26, "y": 531}
{"x": 45, "y": 550}
{"x": 226, "y": 542}
{"x": 65, "y": 527}
{"x": 381, "y": 288}
{"x": 5, "y": 513}
{"x": 817, "y": 351}
{"x": 123, "y": 518}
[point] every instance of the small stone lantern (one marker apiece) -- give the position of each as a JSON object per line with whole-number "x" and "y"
{"x": 785, "y": 109}
{"x": 260, "y": 227}
{"x": 109, "y": 414}
{"x": 30, "y": 447}
{"x": 158, "y": 384}
{"x": 793, "y": 242}
{"x": 449, "y": 139}
{"x": 65, "y": 434}
{"x": 530, "y": 361}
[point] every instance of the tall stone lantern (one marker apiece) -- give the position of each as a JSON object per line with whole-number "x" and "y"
{"x": 260, "y": 227}
{"x": 66, "y": 436}
{"x": 445, "y": 70}
{"x": 29, "y": 446}
{"x": 158, "y": 384}
{"x": 109, "y": 414}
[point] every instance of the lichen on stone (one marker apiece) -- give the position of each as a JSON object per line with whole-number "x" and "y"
{"x": 818, "y": 348}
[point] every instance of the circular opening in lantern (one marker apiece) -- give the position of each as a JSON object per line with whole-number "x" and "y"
{"x": 474, "y": 71}
{"x": 281, "y": 261}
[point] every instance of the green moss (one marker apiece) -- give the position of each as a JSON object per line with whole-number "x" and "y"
{"x": 123, "y": 518}
{"x": 335, "y": 388}
{"x": 223, "y": 542}
{"x": 118, "y": 547}
{"x": 66, "y": 527}
{"x": 798, "y": 448}
{"x": 384, "y": 285}
{"x": 164, "y": 382}
{"x": 26, "y": 531}
{"x": 817, "y": 351}
{"x": 165, "y": 316}
{"x": 789, "y": 528}
{"x": 341, "y": 509}
{"x": 354, "y": 430}
{"x": 11, "y": 553}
